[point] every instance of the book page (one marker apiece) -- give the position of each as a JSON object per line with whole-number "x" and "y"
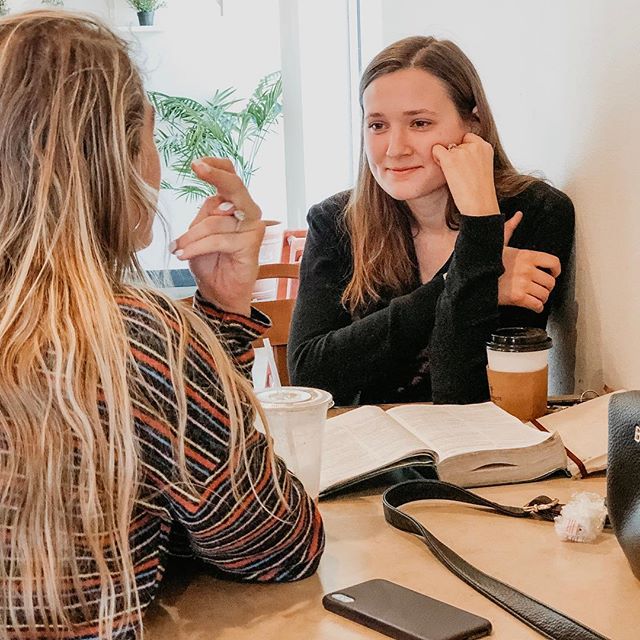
{"x": 451, "y": 430}
{"x": 361, "y": 441}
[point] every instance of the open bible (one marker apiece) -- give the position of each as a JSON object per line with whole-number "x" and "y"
{"x": 471, "y": 445}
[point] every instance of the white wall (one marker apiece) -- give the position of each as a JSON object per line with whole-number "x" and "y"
{"x": 563, "y": 79}
{"x": 317, "y": 77}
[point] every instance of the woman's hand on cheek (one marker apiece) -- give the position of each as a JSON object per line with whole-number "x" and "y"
{"x": 468, "y": 170}
{"x": 223, "y": 252}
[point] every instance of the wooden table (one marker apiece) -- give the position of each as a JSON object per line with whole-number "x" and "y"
{"x": 591, "y": 582}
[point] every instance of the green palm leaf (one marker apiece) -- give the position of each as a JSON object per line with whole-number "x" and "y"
{"x": 220, "y": 126}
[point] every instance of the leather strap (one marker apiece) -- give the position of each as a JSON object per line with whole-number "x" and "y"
{"x": 545, "y": 620}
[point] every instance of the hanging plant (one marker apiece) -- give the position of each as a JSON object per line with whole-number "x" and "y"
{"x": 146, "y": 5}
{"x": 146, "y": 10}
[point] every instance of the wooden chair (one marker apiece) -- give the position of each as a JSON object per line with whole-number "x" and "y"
{"x": 280, "y": 312}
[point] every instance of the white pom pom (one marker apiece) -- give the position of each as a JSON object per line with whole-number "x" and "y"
{"x": 582, "y": 518}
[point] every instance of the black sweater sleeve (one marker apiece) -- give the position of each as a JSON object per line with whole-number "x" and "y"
{"x": 457, "y": 350}
{"x": 466, "y": 312}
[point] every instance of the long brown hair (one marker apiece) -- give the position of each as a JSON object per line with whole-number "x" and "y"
{"x": 378, "y": 225}
{"x": 71, "y": 117}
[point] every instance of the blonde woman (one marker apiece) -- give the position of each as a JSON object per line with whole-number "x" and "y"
{"x": 404, "y": 278}
{"x": 123, "y": 415}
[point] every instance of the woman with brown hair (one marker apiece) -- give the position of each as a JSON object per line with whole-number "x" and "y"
{"x": 440, "y": 241}
{"x": 125, "y": 417}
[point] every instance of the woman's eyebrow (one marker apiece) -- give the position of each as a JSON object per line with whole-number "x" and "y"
{"x": 418, "y": 112}
{"x": 411, "y": 112}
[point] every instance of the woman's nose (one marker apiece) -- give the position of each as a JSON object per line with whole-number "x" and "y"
{"x": 398, "y": 144}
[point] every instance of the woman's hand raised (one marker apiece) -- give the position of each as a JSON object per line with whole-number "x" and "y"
{"x": 468, "y": 170}
{"x": 223, "y": 241}
{"x": 529, "y": 276}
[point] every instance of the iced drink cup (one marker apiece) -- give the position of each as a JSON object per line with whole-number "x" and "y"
{"x": 517, "y": 371}
{"x": 296, "y": 417}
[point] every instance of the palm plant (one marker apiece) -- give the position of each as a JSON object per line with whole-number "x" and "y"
{"x": 188, "y": 129}
{"x": 4, "y": 8}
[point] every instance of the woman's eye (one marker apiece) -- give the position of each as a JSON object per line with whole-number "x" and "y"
{"x": 375, "y": 126}
{"x": 421, "y": 124}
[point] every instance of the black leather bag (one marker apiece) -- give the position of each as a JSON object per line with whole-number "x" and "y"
{"x": 623, "y": 474}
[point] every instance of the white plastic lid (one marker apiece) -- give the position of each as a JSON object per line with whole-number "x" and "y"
{"x": 293, "y": 398}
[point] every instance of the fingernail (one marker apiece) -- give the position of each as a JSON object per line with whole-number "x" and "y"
{"x": 200, "y": 164}
{"x": 172, "y": 246}
{"x": 239, "y": 215}
{"x": 179, "y": 253}
{"x": 225, "y": 206}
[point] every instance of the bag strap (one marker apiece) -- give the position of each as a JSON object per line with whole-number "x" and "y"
{"x": 545, "y": 620}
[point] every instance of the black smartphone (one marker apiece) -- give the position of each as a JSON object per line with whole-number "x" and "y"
{"x": 404, "y": 614}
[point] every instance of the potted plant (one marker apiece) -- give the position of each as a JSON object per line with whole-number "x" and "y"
{"x": 188, "y": 129}
{"x": 4, "y": 8}
{"x": 146, "y": 10}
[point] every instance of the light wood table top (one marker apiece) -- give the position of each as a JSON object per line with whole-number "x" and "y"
{"x": 591, "y": 582}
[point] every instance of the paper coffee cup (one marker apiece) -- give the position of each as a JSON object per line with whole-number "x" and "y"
{"x": 296, "y": 417}
{"x": 517, "y": 370}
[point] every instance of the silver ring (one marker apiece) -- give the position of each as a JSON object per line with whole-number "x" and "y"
{"x": 451, "y": 145}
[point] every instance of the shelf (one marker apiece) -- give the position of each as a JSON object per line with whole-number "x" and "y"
{"x": 134, "y": 28}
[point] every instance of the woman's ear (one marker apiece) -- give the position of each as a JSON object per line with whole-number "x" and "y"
{"x": 475, "y": 121}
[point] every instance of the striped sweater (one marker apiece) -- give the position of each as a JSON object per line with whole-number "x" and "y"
{"x": 239, "y": 537}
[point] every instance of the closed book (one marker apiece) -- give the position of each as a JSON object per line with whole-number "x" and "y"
{"x": 583, "y": 428}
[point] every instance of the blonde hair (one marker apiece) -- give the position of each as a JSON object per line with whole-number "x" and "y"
{"x": 71, "y": 114}
{"x": 379, "y": 225}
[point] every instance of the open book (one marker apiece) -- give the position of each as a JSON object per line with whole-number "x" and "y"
{"x": 584, "y": 432}
{"x": 471, "y": 445}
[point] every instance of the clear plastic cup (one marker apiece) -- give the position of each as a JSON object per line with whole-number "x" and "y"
{"x": 296, "y": 417}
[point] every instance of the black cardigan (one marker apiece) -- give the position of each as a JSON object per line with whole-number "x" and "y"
{"x": 428, "y": 344}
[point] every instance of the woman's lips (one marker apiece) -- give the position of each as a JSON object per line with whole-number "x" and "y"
{"x": 402, "y": 170}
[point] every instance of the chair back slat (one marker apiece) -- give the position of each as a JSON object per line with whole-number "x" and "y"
{"x": 280, "y": 312}
{"x": 279, "y": 270}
